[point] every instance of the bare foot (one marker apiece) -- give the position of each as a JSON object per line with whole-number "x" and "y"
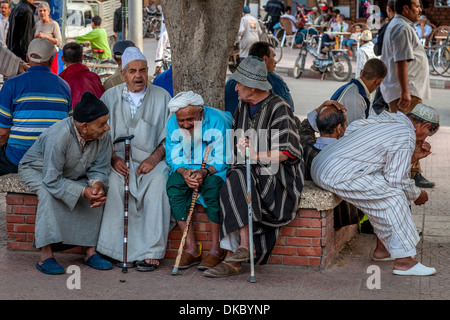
{"x": 404, "y": 263}
{"x": 380, "y": 251}
{"x": 152, "y": 261}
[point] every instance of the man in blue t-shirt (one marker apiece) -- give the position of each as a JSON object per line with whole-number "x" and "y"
{"x": 165, "y": 80}
{"x": 29, "y": 104}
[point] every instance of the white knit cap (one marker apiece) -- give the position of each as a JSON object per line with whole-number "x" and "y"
{"x": 184, "y": 99}
{"x": 132, "y": 54}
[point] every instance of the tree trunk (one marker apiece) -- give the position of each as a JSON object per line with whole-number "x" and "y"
{"x": 201, "y": 35}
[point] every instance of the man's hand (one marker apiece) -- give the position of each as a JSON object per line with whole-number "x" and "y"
{"x": 147, "y": 165}
{"x": 423, "y": 197}
{"x": 194, "y": 178}
{"x": 119, "y": 164}
{"x": 333, "y": 103}
{"x": 242, "y": 144}
{"x": 95, "y": 195}
{"x": 405, "y": 102}
{"x": 151, "y": 162}
{"x": 22, "y": 67}
{"x": 421, "y": 151}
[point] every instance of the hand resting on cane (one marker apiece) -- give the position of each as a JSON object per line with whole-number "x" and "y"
{"x": 264, "y": 157}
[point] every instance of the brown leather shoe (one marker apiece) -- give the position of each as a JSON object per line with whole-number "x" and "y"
{"x": 210, "y": 261}
{"x": 240, "y": 255}
{"x": 188, "y": 260}
{"x": 223, "y": 269}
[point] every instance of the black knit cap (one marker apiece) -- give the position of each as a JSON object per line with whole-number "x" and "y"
{"x": 89, "y": 108}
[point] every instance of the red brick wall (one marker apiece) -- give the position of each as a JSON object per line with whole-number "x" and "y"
{"x": 20, "y": 219}
{"x": 438, "y": 16}
{"x": 309, "y": 240}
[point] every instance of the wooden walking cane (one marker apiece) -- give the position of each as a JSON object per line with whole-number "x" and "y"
{"x": 126, "y": 199}
{"x": 250, "y": 214}
{"x": 189, "y": 217}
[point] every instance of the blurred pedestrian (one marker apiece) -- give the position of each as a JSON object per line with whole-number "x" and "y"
{"x": 249, "y": 32}
{"x": 21, "y": 28}
{"x": 4, "y": 23}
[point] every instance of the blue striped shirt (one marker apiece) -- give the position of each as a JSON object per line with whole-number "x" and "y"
{"x": 29, "y": 104}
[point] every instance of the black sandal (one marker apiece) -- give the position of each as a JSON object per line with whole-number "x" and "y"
{"x": 144, "y": 266}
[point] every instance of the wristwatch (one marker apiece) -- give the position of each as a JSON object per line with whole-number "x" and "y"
{"x": 208, "y": 172}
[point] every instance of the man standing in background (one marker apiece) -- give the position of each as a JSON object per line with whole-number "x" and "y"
{"x": 21, "y": 28}
{"x": 249, "y": 33}
{"x": 4, "y": 23}
{"x": 407, "y": 81}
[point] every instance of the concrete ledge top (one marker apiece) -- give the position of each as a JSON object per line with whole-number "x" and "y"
{"x": 313, "y": 197}
{"x": 12, "y": 183}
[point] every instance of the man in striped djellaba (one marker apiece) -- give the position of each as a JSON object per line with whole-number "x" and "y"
{"x": 369, "y": 168}
{"x": 265, "y": 124}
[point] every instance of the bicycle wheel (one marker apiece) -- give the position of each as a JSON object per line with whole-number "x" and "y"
{"x": 277, "y": 46}
{"x": 299, "y": 66}
{"x": 441, "y": 61}
{"x": 146, "y": 28}
{"x": 342, "y": 69}
{"x": 429, "y": 53}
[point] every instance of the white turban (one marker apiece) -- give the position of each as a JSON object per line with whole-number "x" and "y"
{"x": 132, "y": 54}
{"x": 184, "y": 99}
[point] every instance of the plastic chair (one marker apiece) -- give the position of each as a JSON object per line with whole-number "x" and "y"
{"x": 288, "y": 34}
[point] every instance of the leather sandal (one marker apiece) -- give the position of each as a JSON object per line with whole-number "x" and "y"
{"x": 188, "y": 260}
{"x": 210, "y": 261}
{"x": 240, "y": 255}
{"x": 223, "y": 269}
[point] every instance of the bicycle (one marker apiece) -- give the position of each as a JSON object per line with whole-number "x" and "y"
{"x": 103, "y": 67}
{"x": 336, "y": 61}
{"x": 152, "y": 23}
{"x": 440, "y": 60}
{"x": 440, "y": 56}
{"x": 270, "y": 38}
{"x": 166, "y": 62}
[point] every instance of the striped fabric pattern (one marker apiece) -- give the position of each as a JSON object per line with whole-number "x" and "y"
{"x": 29, "y": 104}
{"x": 9, "y": 62}
{"x": 275, "y": 196}
{"x": 369, "y": 168}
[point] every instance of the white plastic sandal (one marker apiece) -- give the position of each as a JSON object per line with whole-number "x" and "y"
{"x": 418, "y": 270}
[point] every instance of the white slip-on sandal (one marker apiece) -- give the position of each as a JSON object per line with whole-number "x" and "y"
{"x": 418, "y": 270}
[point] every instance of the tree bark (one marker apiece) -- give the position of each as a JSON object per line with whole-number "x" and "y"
{"x": 201, "y": 35}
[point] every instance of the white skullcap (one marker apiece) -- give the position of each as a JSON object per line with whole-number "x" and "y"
{"x": 184, "y": 99}
{"x": 132, "y": 54}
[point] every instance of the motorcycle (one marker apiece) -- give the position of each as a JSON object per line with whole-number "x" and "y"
{"x": 336, "y": 62}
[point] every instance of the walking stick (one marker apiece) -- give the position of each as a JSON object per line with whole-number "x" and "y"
{"x": 189, "y": 217}
{"x": 250, "y": 214}
{"x": 126, "y": 199}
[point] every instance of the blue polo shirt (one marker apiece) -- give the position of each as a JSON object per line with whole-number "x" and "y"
{"x": 29, "y": 104}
